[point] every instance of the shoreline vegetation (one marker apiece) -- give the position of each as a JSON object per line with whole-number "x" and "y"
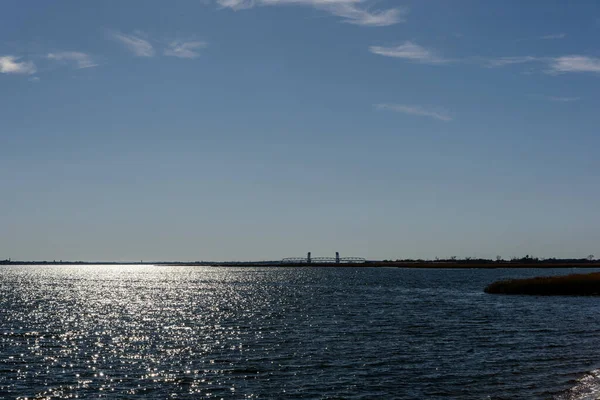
{"x": 526, "y": 262}
{"x": 570, "y": 285}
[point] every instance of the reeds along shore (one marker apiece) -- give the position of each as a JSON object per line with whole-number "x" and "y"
{"x": 570, "y": 285}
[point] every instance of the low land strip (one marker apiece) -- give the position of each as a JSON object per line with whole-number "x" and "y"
{"x": 570, "y": 285}
{"x": 469, "y": 264}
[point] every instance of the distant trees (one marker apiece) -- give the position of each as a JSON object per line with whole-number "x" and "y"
{"x": 527, "y": 259}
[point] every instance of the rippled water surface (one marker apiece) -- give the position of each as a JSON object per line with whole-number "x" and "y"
{"x": 193, "y": 332}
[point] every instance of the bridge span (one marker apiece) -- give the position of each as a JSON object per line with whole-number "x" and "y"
{"x": 324, "y": 260}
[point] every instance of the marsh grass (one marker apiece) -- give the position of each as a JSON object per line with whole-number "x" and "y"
{"x": 570, "y": 285}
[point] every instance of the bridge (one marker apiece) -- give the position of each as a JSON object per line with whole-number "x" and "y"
{"x": 324, "y": 260}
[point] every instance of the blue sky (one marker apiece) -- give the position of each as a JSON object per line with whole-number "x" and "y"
{"x": 238, "y": 129}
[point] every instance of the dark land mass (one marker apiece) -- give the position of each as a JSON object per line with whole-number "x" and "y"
{"x": 570, "y": 285}
{"x": 450, "y": 264}
{"x": 421, "y": 264}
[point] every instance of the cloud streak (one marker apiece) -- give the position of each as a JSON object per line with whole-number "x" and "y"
{"x": 413, "y": 52}
{"x": 504, "y": 61}
{"x": 185, "y": 49}
{"x": 409, "y": 51}
{"x": 351, "y": 11}
{"x": 358, "y": 16}
{"x": 78, "y": 59}
{"x": 554, "y": 65}
{"x": 135, "y": 44}
{"x": 574, "y": 63}
{"x": 11, "y": 65}
{"x": 415, "y": 110}
{"x": 553, "y": 36}
{"x": 562, "y": 99}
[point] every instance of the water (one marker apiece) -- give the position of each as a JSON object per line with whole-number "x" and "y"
{"x": 193, "y": 332}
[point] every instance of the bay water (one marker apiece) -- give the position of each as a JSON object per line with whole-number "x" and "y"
{"x": 123, "y": 332}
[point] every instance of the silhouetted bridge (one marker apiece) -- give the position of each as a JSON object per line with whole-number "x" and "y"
{"x": 324, "y": 260}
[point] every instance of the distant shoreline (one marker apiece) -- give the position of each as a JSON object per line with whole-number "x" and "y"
{"x": 420, "y": 265}
{"x": 369, "y": 264}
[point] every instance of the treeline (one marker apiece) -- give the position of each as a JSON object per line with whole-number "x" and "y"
{"x": 9, "y": 261}
{"x": 499, "y": 260}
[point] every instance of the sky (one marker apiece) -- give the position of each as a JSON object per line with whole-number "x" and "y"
{"x": 263, "y": 129}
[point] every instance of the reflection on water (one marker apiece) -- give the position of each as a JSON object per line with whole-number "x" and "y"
{"x": 189, "y": 332}
{"x": 586, "y": 388}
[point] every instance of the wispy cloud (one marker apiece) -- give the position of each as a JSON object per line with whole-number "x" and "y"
{"x": 409, "y": 51}
{"x": 554, "y": 65}
{"x": 11, "y": 65}
{"x": 551, "y": 65}
{"x": 79, "y": 60}
{"x": 359, "y": 16}
{"x": 415, "y": 110}
{"x": 574, "y": 63}
{"x": 134, "y": 43}
{"x": 562, "y": 99}
{"x": 351, "y": 11}
{"x": 504, "y": 61}
{"x": 237, "y": 4}
{"x": 185, "y": 49}
{"x": 553, "y": 36}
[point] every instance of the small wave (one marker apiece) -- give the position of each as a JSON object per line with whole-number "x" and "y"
{"x": 586, "y": 388}
{"x": 178, "y": 328}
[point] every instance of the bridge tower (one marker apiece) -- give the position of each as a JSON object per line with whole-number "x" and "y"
{"x": 337, "y": 257}
{"x": 308, "y": 260}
